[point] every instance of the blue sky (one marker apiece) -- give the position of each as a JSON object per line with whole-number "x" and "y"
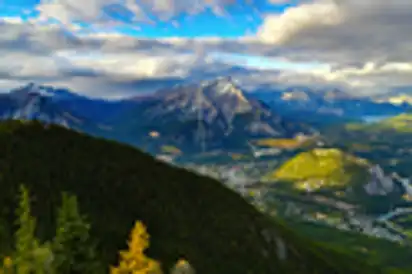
{"x": 241, "y": 19}
{"x": 239, "y": 22}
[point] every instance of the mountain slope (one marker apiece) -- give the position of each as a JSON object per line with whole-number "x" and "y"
{"x": 64, "y": 100}
{"x": 33, "y": 102}
{"x": 215, "y": 113}
{"x": 322, "y": 167}
{"x": 61, "y": 107}
{"x": 340, "y": 176}
{"x": 186, "y": 215}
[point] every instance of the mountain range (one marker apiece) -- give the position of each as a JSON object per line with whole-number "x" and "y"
{"x": 328, "y": 106}
{"x": 193, "y": 117}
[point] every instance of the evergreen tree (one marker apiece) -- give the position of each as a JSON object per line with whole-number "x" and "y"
{"x": 74, "y": 252}
{"x": 43, "y": 258}
{"x": 133, "y": 260}
{"x": 29, "y": 256}
{"x": 25, "y": 241}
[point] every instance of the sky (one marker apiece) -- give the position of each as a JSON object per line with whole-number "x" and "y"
{"x": 105, "y": 48}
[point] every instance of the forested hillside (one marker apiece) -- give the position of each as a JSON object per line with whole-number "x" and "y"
{"x": 187, "y": 216}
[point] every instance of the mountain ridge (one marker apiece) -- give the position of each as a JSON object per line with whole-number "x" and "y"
{"x": 327, "y": 106}
{"x": 194, "y": 117}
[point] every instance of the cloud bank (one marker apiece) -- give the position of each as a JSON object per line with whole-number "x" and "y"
{"x": 361, "y": 45}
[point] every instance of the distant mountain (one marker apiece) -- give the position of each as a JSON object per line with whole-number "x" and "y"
{"x": 401, "y": 99}
{"x": 187, "y": 216}
{"x": 61, "y": 107}
{"x": 398, "y": 95}
{"x": 34, "y": 102}
{"x": 97, "y": 110}
{"x": 326, "y": 106}
{"x": 216, "y": 114}
{"x": 397, "y": 124}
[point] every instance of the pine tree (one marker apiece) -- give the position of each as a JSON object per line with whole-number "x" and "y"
{"x": 74, "y": 252}
{"x": 30, "y": 256}
{"x": 133, "y": 260}
{"x": 25, "y": 240}
{"x": 43, "y": 258}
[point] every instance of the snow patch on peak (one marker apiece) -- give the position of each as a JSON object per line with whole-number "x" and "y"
{"x": 31, "y": 89}
{"x": 237, "y": 92}
{"x": 44, "y": 92}
{"x": 225, "y": 86}
{"x": 227, "y": 79}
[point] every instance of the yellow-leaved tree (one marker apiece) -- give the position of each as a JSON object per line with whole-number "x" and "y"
{"x": 182, "y": 267}
{"x": 133, "y": 260}
{"x": 7, "y": 266}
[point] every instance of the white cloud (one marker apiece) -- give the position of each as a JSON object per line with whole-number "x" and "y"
{"x": 35, "y": 38}
{"x": 51, "y": 54}
{"x": 103, "y": 11}
{"x": 8, "y": 84}
{"x": 344, "y": 31}
{"x": 11, "y": 20}
{"x": 364, "y": 43}
{"x": 279, "y": 29}
{"x": 136, "y": 66}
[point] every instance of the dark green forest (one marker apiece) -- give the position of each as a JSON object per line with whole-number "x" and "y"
{"x": 100, "y": 188}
